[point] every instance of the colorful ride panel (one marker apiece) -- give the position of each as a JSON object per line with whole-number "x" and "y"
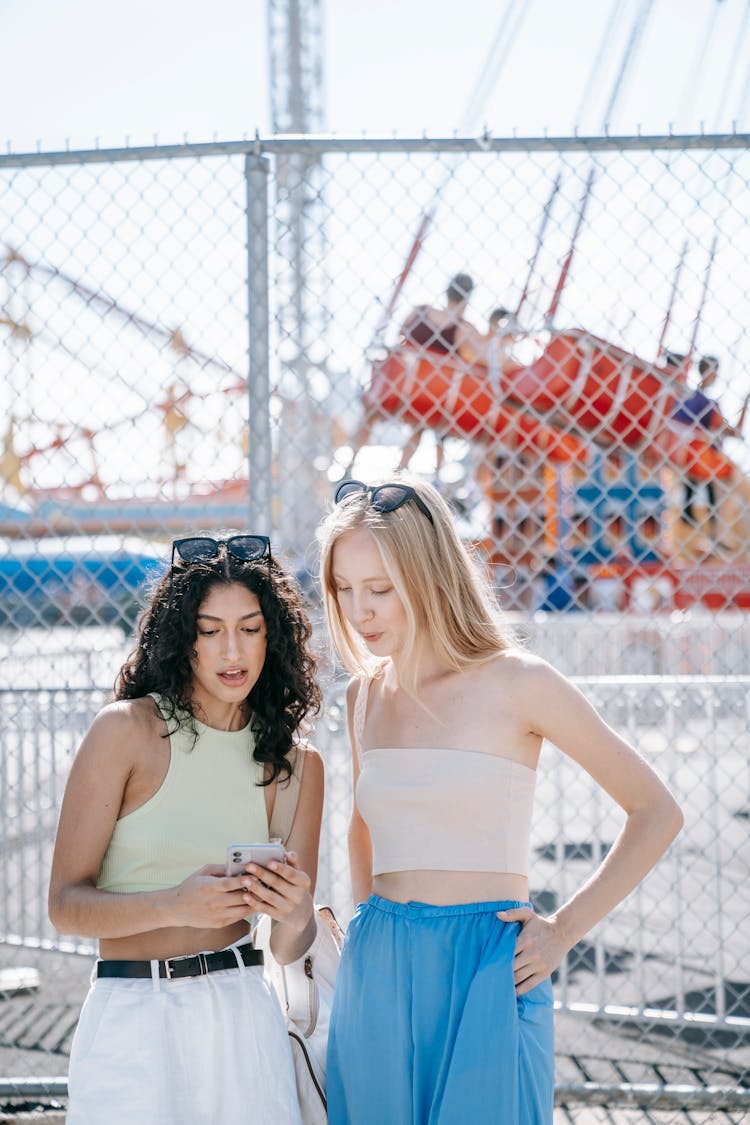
{"x": 458, "y": 399}
{"x": 608, "y": 393}
{"x": 581, "y": 389}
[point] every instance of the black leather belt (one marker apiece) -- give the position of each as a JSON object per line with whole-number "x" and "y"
{"x": 177, "y": 967}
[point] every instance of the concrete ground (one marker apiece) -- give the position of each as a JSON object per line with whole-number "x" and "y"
{"x": 36, "y": 1030}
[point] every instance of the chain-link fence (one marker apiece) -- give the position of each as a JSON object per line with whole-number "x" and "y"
{"x": 598, "y": 470}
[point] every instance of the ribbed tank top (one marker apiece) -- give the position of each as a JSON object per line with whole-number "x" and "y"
{"x": 209, "y": 798}
{"x": 443, "y": 809}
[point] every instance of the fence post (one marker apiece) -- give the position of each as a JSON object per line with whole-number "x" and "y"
{"x": 258, "y": 380}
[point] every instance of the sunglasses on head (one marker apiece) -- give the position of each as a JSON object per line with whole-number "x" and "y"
{"x": 201, "y": 548}
{"x": 383, "y": 497}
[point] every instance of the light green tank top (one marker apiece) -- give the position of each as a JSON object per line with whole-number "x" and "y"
{"x": 210, "y": 798}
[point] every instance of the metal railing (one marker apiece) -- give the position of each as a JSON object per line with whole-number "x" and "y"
{"x": 667, "y": 967}
{"x": 174, "y": 357}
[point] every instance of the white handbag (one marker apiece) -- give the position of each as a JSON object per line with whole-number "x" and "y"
{"x": 305, "y": 986}
{"x": 305, "y": 991}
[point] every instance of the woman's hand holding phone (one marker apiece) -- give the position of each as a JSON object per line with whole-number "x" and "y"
{"x": 278, "y": 888}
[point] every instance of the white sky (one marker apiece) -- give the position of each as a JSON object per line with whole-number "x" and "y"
{"x": 87, "y": 69}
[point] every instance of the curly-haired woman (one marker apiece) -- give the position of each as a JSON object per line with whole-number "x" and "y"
{"x": 179, "y": 1026}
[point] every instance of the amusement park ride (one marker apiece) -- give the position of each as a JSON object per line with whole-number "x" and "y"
{"x": 86, "y": 506}
{"x": 580, "y": 459}
{"x": 577, "y": 453}
{"x": 575, "y": 442}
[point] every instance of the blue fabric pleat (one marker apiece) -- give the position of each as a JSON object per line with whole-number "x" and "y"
{"x": 426, "y": 1027}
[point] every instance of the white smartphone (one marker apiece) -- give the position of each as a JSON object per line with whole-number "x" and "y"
{"x": 239, "y": 855}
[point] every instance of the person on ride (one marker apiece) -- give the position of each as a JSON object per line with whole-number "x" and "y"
{"x": 443, "y": 332}
{"x": 701, "y": 412}
{"x": 445, "y": 329}
{"x": 179, "y": 1026}
{"x": 443, "y": 1006}
{"x": 446, "y": 332}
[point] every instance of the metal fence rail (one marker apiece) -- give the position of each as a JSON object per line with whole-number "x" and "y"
{"x": 668, "y": 968}
{"x": 179, "y": 281}
{"x": 209, "y": 336}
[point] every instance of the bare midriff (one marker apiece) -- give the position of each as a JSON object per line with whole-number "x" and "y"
{"x": 447, "y": 888}
{"x": 172, "y": 941}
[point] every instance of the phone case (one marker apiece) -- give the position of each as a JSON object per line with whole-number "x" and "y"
{"x": 239, "y": 855}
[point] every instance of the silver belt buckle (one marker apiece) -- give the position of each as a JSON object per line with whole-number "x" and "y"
{"x": 200, "y": 957}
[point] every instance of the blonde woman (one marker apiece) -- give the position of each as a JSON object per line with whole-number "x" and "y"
{"x": 443, "y": 1009}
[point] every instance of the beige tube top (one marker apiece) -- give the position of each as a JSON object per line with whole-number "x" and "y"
{"x": 441, "y": 809}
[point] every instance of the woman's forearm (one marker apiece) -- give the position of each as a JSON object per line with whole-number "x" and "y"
{"x": 288, "y": 943}
{"x": 85, "y": 911}
{"x": 645, "y": 837}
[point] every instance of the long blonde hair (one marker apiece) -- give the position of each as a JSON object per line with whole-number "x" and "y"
{"x": 439, "y": 581}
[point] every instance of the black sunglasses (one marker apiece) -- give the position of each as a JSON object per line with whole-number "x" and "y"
{"x": 383, "y": 497}
{"x": 201, "y": 548}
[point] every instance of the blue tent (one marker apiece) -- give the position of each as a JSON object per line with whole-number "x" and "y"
{"x": 77, "y": 580}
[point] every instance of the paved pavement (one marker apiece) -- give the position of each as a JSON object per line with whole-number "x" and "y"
{"x": 36, "y": 1029}
{"x": 684, "y": 932}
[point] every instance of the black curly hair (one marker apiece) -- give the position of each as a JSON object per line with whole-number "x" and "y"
{"x": 286, "y": 692}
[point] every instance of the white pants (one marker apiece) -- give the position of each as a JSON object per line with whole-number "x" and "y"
{"x": 209, "y": 1050}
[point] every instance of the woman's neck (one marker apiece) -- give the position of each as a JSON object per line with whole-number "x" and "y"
{"x": 428, "y": 664}
{"x": 219, "y": 715}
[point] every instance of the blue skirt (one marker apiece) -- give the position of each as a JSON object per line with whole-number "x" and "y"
{"x": 426, "y": 1027}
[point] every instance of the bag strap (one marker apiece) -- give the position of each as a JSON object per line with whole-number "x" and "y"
{"x": 287, "y": 797}
{"x": 359, "y": 715}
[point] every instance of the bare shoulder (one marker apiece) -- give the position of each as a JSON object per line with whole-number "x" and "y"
{"x": 524, "y": 670}
{"x": 128, "y": 715}
{"x": 313, "y": 760}
{"x": 124, "y": 724}
{"x": 312, "y": 784}
{"x": 530, "y": 683}
{"x": 549, "y": 702}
